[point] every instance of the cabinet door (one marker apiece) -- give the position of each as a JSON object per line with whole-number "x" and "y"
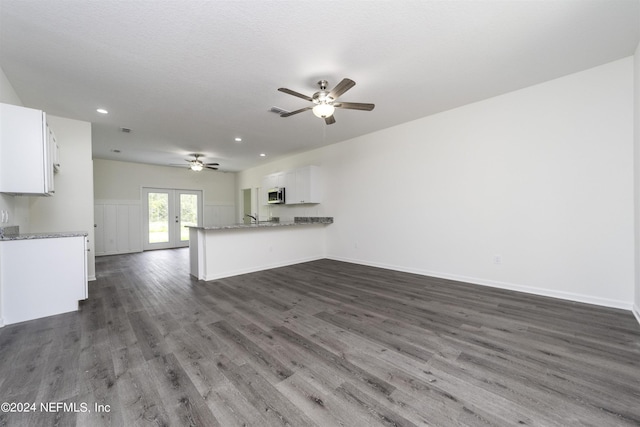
{"x": 305, "y": 183}
{"x": 278, "y": 179}
{"x": 290, "y": 188}
{"x": 55, "y": 155}
{"x": 54, "y": 287}
{"x": 302, "y": 185}
{"x": 24, "y": 135}
{"x": 49, "y": 155}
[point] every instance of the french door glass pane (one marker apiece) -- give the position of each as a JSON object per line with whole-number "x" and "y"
{"x": 188, "y": 214}
{"x": 158, "y": 217}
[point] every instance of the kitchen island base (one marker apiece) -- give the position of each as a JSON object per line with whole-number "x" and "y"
{"x": 218, "y": 252}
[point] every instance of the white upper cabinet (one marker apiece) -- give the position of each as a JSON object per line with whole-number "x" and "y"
{"x": 303, "y": 186}
{"x": 55, "y": 151}
{"x": 27, "y": 147}
{"x": 300, "y": 185}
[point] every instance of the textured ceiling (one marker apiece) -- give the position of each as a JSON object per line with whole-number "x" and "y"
{"x": 190, "y": 76}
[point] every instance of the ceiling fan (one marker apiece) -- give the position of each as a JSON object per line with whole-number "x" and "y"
{"x": 197, "y": 165}
{"x": 325, "y": 101}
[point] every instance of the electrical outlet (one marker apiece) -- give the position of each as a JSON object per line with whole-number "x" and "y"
{"x": 497, "y": 259}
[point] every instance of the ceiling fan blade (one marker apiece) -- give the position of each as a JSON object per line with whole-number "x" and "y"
{"x": 330, "y": 120}
{"x": 341, "y": 88}
{"x": 354, "y": 106}
{"x": 294, "y": 93}
{"x": 291, "y": 113}
{"x": 211, "y": 167}
{"x": 212, "y": 164}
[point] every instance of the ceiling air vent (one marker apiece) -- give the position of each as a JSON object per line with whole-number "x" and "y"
{"x": 278, "y": 110}
{"x": 125, "y": 130}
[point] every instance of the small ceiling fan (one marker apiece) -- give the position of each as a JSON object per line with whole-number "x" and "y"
{"x": 197, "y": 165}
{"x": 325, "y": 101}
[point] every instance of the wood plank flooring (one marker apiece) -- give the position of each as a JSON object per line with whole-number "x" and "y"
{"x": 323, "y": 343}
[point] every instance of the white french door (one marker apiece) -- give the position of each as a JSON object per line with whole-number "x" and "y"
{"x": 167, "y": 213}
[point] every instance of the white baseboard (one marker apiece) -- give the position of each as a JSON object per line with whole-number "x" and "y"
{"x": 569, "y": 296}
{"x": 91, "y": 278}
{"x": 636, "y": 312}
{"x": 131, "y": 251}
{"x": 259, "y": 268}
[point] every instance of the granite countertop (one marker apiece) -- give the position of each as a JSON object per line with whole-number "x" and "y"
{"x": 264, "y": 224}
{"x": 11, "y": 233}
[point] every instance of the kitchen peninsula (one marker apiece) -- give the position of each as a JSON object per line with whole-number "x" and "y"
{"x": 223, "y": 251}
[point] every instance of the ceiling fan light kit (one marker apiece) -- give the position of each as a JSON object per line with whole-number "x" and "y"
{"x": 198, "y": 165}
{"x": 323, "y": 110}
{"x": 324, "y": 101}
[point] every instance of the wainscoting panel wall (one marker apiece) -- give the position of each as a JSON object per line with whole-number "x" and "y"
{"x": 118, "y": 224}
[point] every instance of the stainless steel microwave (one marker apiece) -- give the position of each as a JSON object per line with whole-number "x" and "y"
{"x": 275, "y": 196}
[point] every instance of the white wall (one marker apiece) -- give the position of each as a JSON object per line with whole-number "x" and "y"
{"x": 541, "y": 177}
{"x": 123, "y": 180}
{"x": 636, "y": 118}
{"x": 71, "y": 208}
{"x": 117, "y": 189}
{"x": 7, "y": 94}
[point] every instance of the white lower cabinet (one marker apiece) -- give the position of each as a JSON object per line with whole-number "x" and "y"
{"x": 42, "y": 277}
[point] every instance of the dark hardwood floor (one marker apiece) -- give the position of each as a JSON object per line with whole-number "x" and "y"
{"x": 322, "y": 343}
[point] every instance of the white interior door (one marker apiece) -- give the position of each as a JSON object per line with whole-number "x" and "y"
{"x": 168, "y": 212}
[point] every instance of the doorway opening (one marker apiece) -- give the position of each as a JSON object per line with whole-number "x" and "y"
{"x": 167, "y": 213}
{"x": 246, "y": 206}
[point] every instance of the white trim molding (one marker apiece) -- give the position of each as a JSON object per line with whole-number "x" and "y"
{"x": 257, "y": 268}
{"x": 569, "y": 296}
{"x": 636, "y": 312}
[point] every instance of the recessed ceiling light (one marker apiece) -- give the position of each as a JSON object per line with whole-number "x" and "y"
{"x": 102, "y": 111}
{"x": 238, "y": 139}
{"x": 263, "y": 155}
